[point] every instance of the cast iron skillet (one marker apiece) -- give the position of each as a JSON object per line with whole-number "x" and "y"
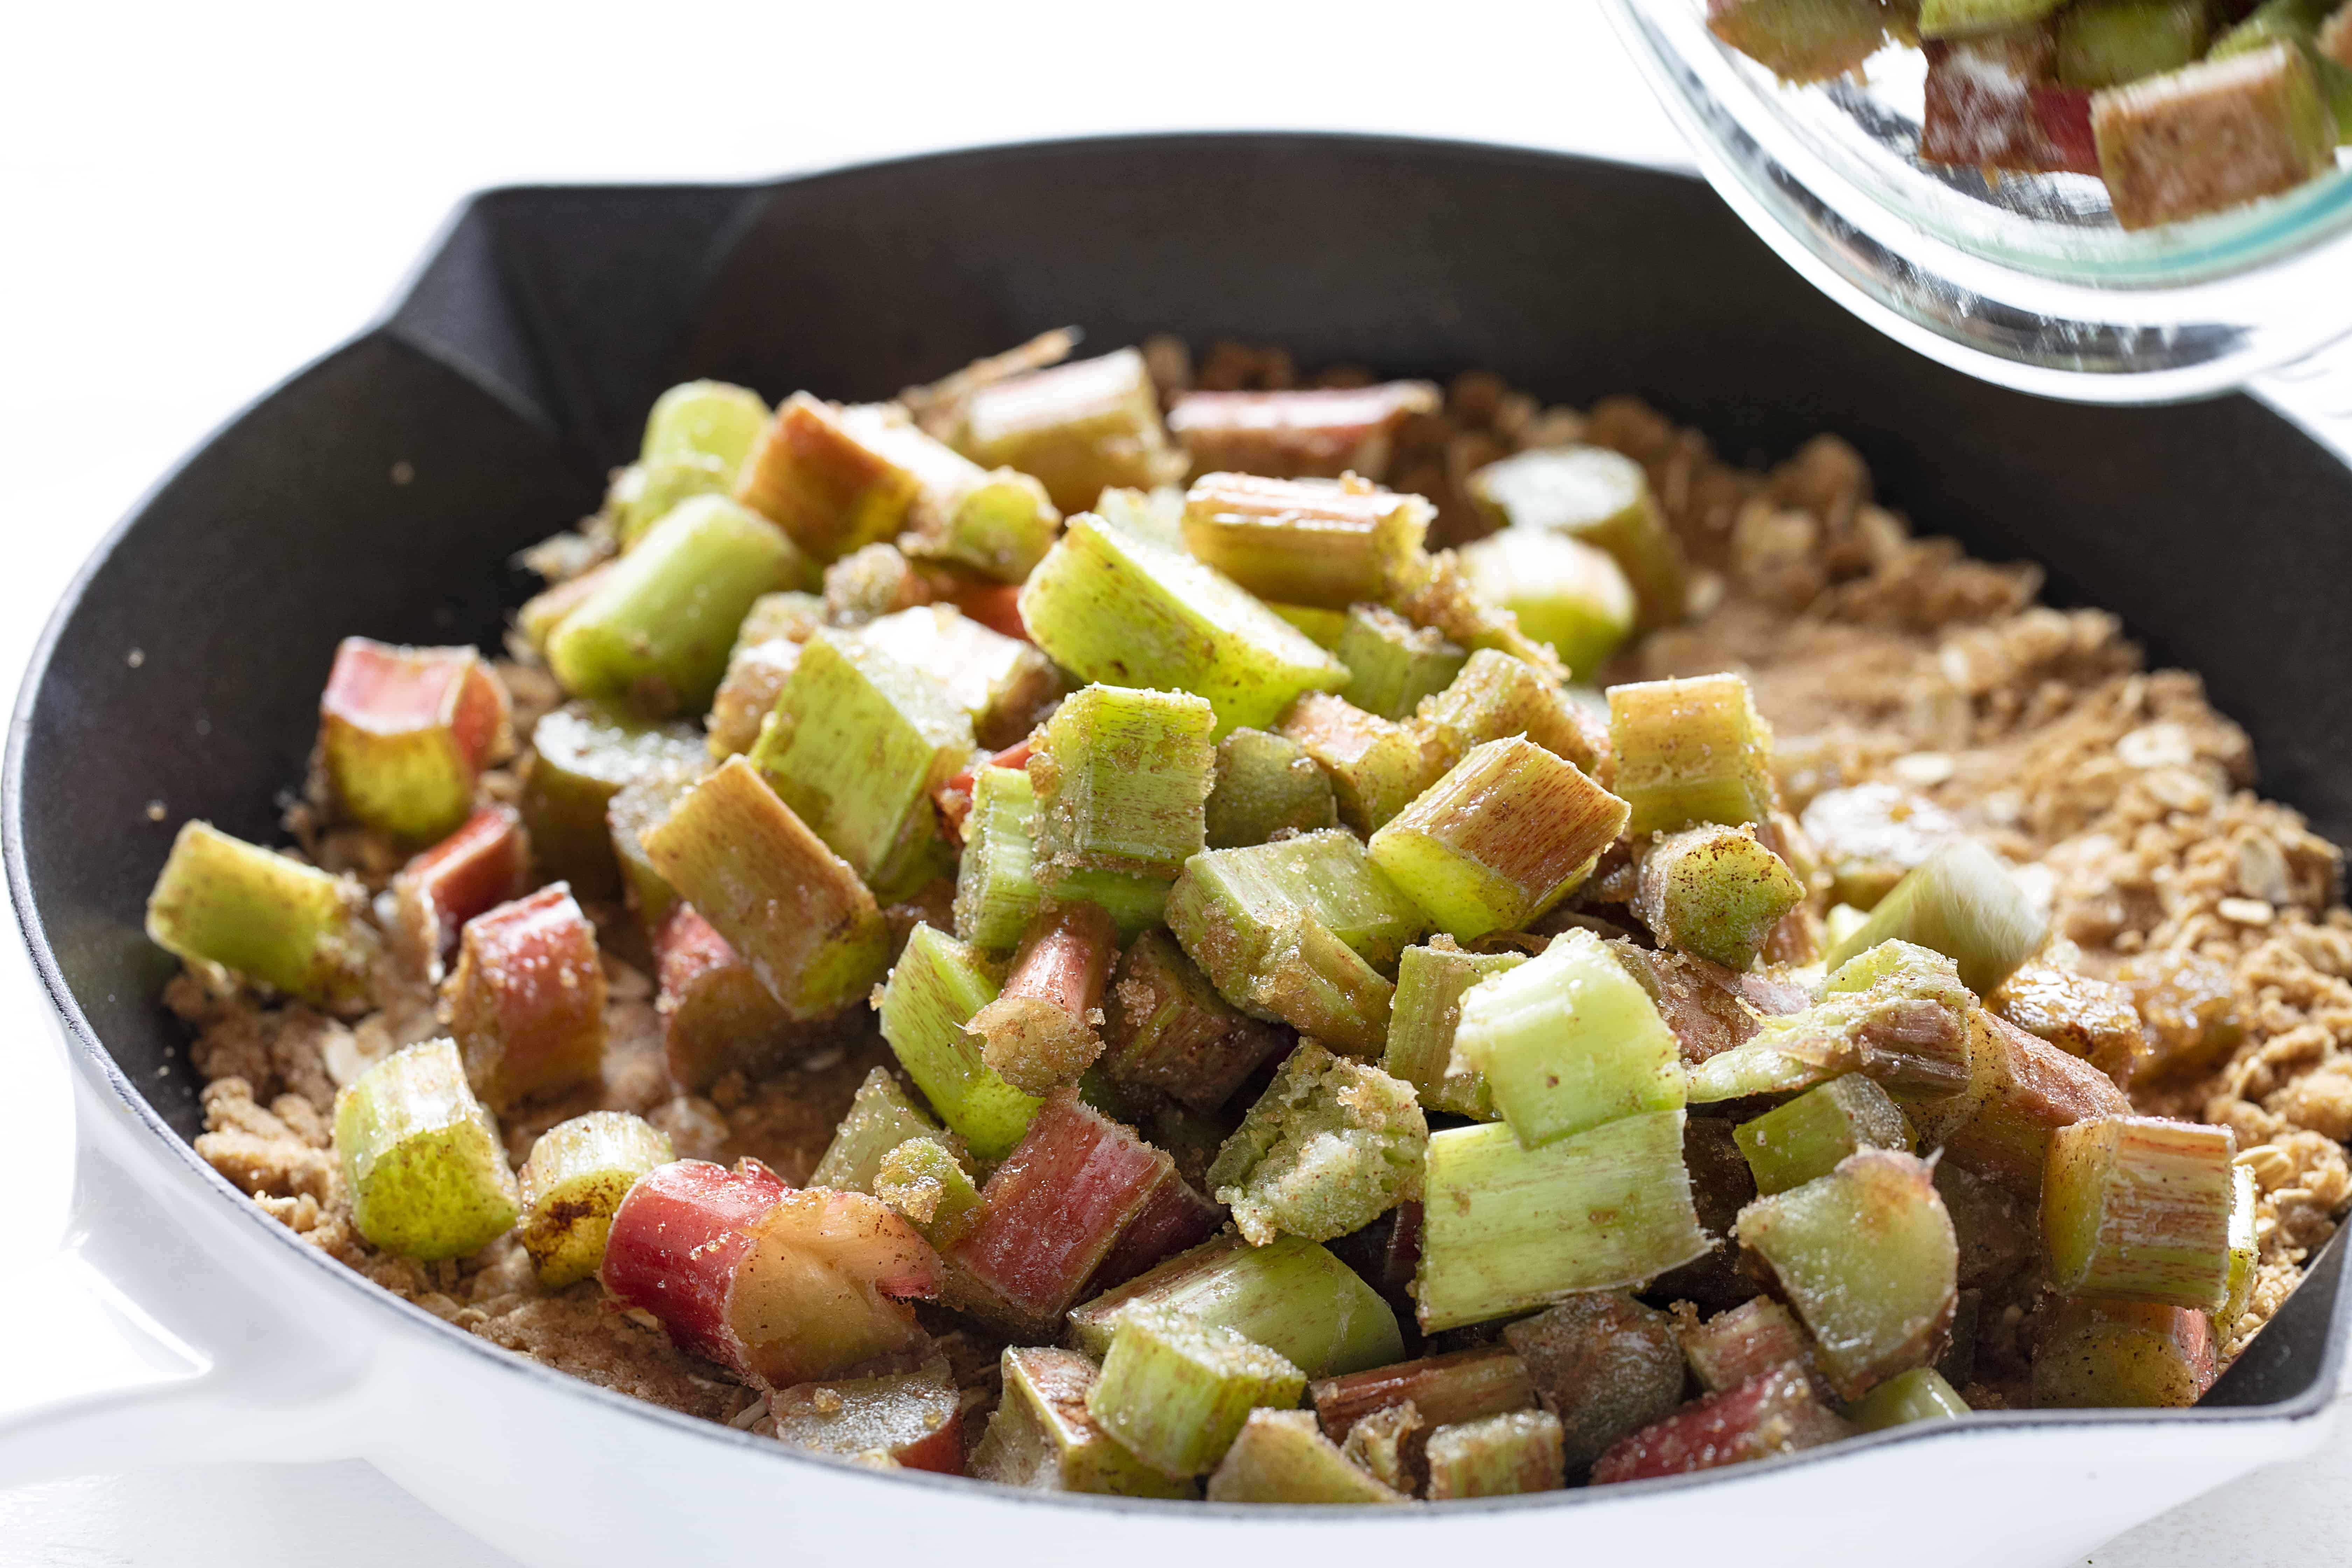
{"x": 382, "y": 490}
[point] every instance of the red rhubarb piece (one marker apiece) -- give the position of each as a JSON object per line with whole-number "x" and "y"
{"x": 1174, "y": 1219}
{"x": 478, "y": 867}
{"x": 1774, "y": 1412}
{"x": 528, "y": 999}
{"x": 715, "y": 1014}
{"x": 404, "y": 731}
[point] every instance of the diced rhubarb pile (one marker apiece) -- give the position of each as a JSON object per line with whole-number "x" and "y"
{"x": 1332, "y": 1060}
{"x": 2181, "y": 106}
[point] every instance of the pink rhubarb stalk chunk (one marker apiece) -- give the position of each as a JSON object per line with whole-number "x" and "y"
{"x": 526, "y": 1003}
{"x": 715, "y": 1014}
{"x": 475, "y": 867}
{"x": 404, "y": 731}
{"x": 1774, "y": 1412}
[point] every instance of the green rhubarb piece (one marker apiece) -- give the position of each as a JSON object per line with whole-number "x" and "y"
{"x": 1947, "y": 18}
{"x": 636, "y": 807}
{"x": 832, "y": 478}
{"x": 711, "y": 418}
{"x": 1291, "y": 1295}
{"x": 1282, "y": 1455}
{"x": 577, "y": 1175}
{"x": 1604, "y": 1364}
{"x": 1567, "y": 1041}
{"x": 1570, "y": 595}
{"x": 1501, "y": 1456}
{"x": 544, "y": 611}
{"x": 1000, "y": 526}
{"x": 1714, "y": 891}
{"x": 1321, "y": 543}
{"x": 2320, "y": 32}
{"x": 582, "y": 755}
{"x": 651, "y": 489}
{"x": 1801, "y": 40}
{"x": 1807, "y": 1138}
{"x": 1376, "y": 767}
{"x": 1962, "y": 902}
{"x": 1496, "y": 697}
{"x": 422, "y": 1161}
{"x": 403, "y": 733}
{"x": 1265, "y": 786}
{"x": 1322, "y": 628}
{"x": 2244, "y": 1252}
{"x": 1329, "y": 1147}
{"x": 767, "y": 647}
{"x": 1506, "y": 1228}
{"x": 1041, "y": 1437}
{"x": 880, "y": 1118}
{"x": 1155, "y": 516}
{"x": 2230, "y": 129}
{"x": 1867, "y": 1256}
{"x": 1115, "y": 608}
{"x": 1600, "y": 498}
{"x": 2106, "y": 43}
{"x": 791, "y": 909}
{"x": 934, "y": 989}
{"x": 2143, "y": 1356}
{"x": 1392, "y": 663}
{"x": 1078, "y": 427}
{"x": 657, "y": 629}
{"x": 926, "y": 1183}
{"x": 1166, "y": 1029}
{"x": 1120, "y": 777}
{"x": 1507, "y": 834}
{"x": 1174, "y": 1391}
{"x": 1000, "y": 682}
{"x": 221, "y": 900}
{"x": 2136, "y": 1208}
{"x": 856, "y": 745}
{"x": 1423, "y": 1017}
{"x": 1690, "y": 752}
{"x": 1326, "y": 874}
{"x": 1919, "y": 1394}
{"x": 997, "y": 893}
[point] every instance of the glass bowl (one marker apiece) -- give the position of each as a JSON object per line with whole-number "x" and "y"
{"x": 2026, "y": 279}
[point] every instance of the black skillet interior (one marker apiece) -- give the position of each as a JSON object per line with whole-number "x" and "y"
{"x": 382, "y": 490}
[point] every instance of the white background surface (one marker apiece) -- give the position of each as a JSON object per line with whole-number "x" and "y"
{"x": 196, "y": 199}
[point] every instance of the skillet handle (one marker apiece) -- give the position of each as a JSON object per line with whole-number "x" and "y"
{"x": 132, "y": 1345}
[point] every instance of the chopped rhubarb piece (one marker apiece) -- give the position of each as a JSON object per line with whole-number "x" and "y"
{"x": 829, "y": 477}
{"x": 780, "y": 1286}
{"x": 916, "y": 1417}
{"x": 1499, "y": 1457}
{"x": 1279, "y": 1456}
{"x": 1331, "y": 1146}
{"x": 1462, "y": 1385}
{"x": 2136, "y": 1208}
{"x": 1166, "y": 1029}
{"x": 1960, "y": 901}
{"x": 1980, "y": 110}
{"x": 437, "y": 892}
{"x": 1793, "y": 1144}
{"x": 2063, "y": 116}
{"x": 767, "y": 647}
{"x": 1050, "y": 1214}
{"x": 1041, "y": 1029}
{"x": 1310, "y": 542}
{"x": 1800, "y": 40}
{"x": 404, "y": 731}
{"x": 880, "y": 1119}
{"x": 1174, "y": 1219}
{"x": 1716, "y": 892}
{"x": 1291, "y": 1296}
{"x": 1602, "y": 498}
{"x": 933, "y": 991}
{"x": 925, "y": 1182}
{"x": 1746, "y": 1342}
{"x": 1945, "y": 18}
{"x": 1867, "y": 1256}
{"x": 1385, "y": 1443}
{"x": 1000, "y": 682}
{"x": 1376, "y": 767}
{"x": 1392, "y": 663}
{"x": 997, "y": 892}
{"x": 2030, "y": 1089}
{"x": 650, "y": 488}
{"x": 716, "y": 1015}
{"x": 1919, "y": 1394}
{"x": 657, "y": 631}
{"x": 636, "y": 807}
{"x": 1042, "y": 1438}
{"x": 1440, "y": 597}
{"x": 1078, "y": 427}
{"x": 2106, "y": 43}
{"x": 1772, "y": 1413}
{"x": 1689, "y": 752}
{"x": 2124, "y": 1355}
{"x": 1423, "y": 1019}
{"x": 2212, "y": 135}
{"x": 581, "y": 754}
{"x": 712, "y": 417}
{"x": 1506, "y": 1228}
{"x": 794, "y": 909}
{"x": 544, "y": 611}
{"x": 1112, "y": 608}
{"x": 1568, "y": 595}
{"x": 527, "y": 1002}
{"x": 1120, "y": 777}
{"x": 1496, "y": 697}
{"x": 221, "y": 900}
{"x": 1322, "y": 432}
{"x": 1603, "y": 1364}
{"x": 421, "y": 1159}
{"x": 953, "y": 799}
{"x": 577, "y": 1175}
{"x": 1175, "y": 1392}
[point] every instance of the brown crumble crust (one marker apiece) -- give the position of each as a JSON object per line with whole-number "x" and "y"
{"x": 1875, "y": 655}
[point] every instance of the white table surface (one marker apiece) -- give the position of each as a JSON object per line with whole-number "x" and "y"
{"x": 214, "y": 194}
